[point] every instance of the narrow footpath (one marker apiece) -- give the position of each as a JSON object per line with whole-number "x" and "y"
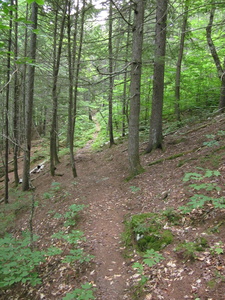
{"x": 104, "y": 188}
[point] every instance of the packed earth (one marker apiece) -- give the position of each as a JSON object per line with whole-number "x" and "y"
{"x": 110, "y": 201}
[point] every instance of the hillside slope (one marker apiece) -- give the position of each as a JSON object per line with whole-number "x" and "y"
{"x": 110, "y": 200}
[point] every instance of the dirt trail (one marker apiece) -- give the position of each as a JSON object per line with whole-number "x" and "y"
{"x": 103, "y": 224}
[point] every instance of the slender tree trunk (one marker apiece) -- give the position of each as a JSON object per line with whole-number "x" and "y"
{"x": 125, "y": 102}
{"x": 24, "y": 83}
{"x": 29, "y": 100}
{"x": 111, "y": 81}
{"x": 179, "y": 61}
{"x": 155, "y": 136}
{"x": 72, "y": 52}
{"x": 222, "y": 90}
{"x": 56, "y": 63}
{"x": 72, "y": 159}
{"x": 220, "y": 68}
{"x": 133, "y": 140}
{"x": 6, "y": 196}
{"x": 16, "y": 105}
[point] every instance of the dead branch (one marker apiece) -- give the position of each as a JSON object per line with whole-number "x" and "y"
{"x": 10, "y": 79}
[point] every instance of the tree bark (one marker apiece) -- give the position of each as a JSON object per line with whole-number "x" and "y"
{"x": 179, "y": 61}
{"x": 72, "y": 53}
{"x": 125, "y": 101}
{"x": 6, "y": 194}
{"x": 111, "y": 80}
{"x": 77, "y": 72}
{"x": 155, "y": 136}
{"x": 56, "y": 63}
{"x": 16, "y": 105}
{"x": 135, "y": 85}
{"x": 29, "y": 100}
{"x": 220, "y": 68}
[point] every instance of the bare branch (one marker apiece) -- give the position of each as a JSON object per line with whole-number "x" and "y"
{"x": 114, "y": 73}
{"x": 10, "y": 79}
{"x": 122, "y": 16}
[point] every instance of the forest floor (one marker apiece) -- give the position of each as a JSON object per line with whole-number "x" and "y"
{"x": 110, "y": 200}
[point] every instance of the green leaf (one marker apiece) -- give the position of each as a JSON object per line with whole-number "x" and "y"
{"x": 40, "y": 2}
{"x": 152, "y": 257}
{"x": 189, "y": 176}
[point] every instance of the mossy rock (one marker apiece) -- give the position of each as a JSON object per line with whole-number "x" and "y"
{"x": 156, "y": 241}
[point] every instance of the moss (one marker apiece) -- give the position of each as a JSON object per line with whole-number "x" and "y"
{"x": 172, "y": 216}
{"x": 147, "y": 222}
{"x": 148, "y": 228}
{"x": 156, "y": 241}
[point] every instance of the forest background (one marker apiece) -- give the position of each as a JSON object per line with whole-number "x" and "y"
{"x": 130, "y": 66}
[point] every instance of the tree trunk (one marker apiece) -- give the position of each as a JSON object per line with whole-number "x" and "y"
{"x": 133, "y": 140}
{"x": 125, "y": 101}
{"x": 29, "y": 100}
{"x": 111, "y": 81}
{"x": 16, "y": 105}
{"x": 6, "y": 195}
{"x": 220, "y": 68}
{"x": 56, "y": 63}
{"x": 179, "y": 61}
{"x": 72, "y": 159}
{"x": 155, "y": 137}
{"x": 72, "y": 52}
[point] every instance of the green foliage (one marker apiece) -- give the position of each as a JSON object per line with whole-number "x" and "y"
{"x": 76, "y": 254}
{"x": 172, "y": 216}
{"x": 146, "y": 230}
{"x": 18, "y": 262}
{"x": 211, "y": 143}
{"x": 156, "y": 240}
{"x": 140, "y": 269}
{"x": 189, "y": 249}
{"x": 84, "y": 130}
{"x": 134, "y": 189}
{"x": 18, "y": 203}
{"x": 213, "y": 139}
{"x": 199, "y": 200}
{"x": 84, "y": 293}
{"x": 152, "y": 257}
{"x": 72, "y": 238}
{"x": 71, "y": 215}
{"x": 217, "y": 248}
{"x": 55, "y": 187}
{"x": 39, "y": 2}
